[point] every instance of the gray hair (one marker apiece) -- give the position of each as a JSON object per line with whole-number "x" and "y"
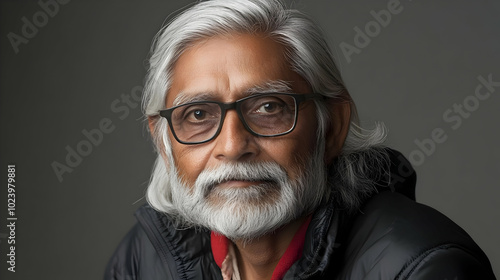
{"x": 362, "y": 161}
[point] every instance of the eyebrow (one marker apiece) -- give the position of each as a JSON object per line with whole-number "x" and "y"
{"x": 185, "y": 97}
{"x": 270, "y": 86}
{"x": 267, "y": 87}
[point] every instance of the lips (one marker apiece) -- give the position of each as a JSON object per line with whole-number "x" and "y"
{"x": 240, "y": 183}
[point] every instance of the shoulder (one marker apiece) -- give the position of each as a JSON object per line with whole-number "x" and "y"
{"x": 156, "y": 249}
{"x": 136, "y": 258}
{"x": 396, "y": 238}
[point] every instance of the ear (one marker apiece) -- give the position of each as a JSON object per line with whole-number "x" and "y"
{"x": 340, "y": 118}
{"x": 152, "y": 125}
{"x": 152, "y": 120}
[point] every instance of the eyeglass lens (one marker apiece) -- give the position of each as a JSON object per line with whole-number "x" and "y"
{"x": 266, "y": 115}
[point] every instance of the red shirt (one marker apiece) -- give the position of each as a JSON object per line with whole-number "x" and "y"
{"x": 220, "y": 249}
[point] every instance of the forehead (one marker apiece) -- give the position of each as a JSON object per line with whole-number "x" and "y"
{"x": 228, "y": 66}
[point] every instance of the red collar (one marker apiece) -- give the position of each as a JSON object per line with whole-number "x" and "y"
{"x": 294, "y": 251}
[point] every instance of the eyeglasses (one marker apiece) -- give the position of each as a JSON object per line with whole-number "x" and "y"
{"x": 265, "y": 115}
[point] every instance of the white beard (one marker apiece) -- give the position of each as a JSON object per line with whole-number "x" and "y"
{"x": 245, "y": 213}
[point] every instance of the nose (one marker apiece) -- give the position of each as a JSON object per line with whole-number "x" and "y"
{"x": 235, "y": 142}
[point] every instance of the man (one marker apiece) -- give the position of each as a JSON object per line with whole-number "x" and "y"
{"x": 262, "y": 169}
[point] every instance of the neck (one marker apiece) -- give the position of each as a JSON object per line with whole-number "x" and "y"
{"x": 258, "y": 258}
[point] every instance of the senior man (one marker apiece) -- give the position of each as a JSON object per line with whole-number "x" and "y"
{"x": 262, "y": 169}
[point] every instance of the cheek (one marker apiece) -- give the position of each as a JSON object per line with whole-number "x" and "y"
{"x": 292, "y": 153}
{"x": 300, "y": 146}
{"x": 189, "y": 160}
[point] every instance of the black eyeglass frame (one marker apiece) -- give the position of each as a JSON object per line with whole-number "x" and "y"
{"x": 236, "y": 105}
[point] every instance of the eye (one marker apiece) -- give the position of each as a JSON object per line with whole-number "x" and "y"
{"x": 269, "y": 107}
{"x": 197, "y": 114}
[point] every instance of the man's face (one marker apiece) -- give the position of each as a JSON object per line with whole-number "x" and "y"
{"x": 226, "y": 68}
{"x": 239, "y": 184}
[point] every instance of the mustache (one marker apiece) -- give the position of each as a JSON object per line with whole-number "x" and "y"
{"x": 268, "y": 172}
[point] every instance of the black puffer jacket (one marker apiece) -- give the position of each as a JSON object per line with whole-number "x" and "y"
{"x": 392, "y": 237}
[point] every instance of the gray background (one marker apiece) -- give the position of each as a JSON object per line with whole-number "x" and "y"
{"x": 90, "y": 53}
